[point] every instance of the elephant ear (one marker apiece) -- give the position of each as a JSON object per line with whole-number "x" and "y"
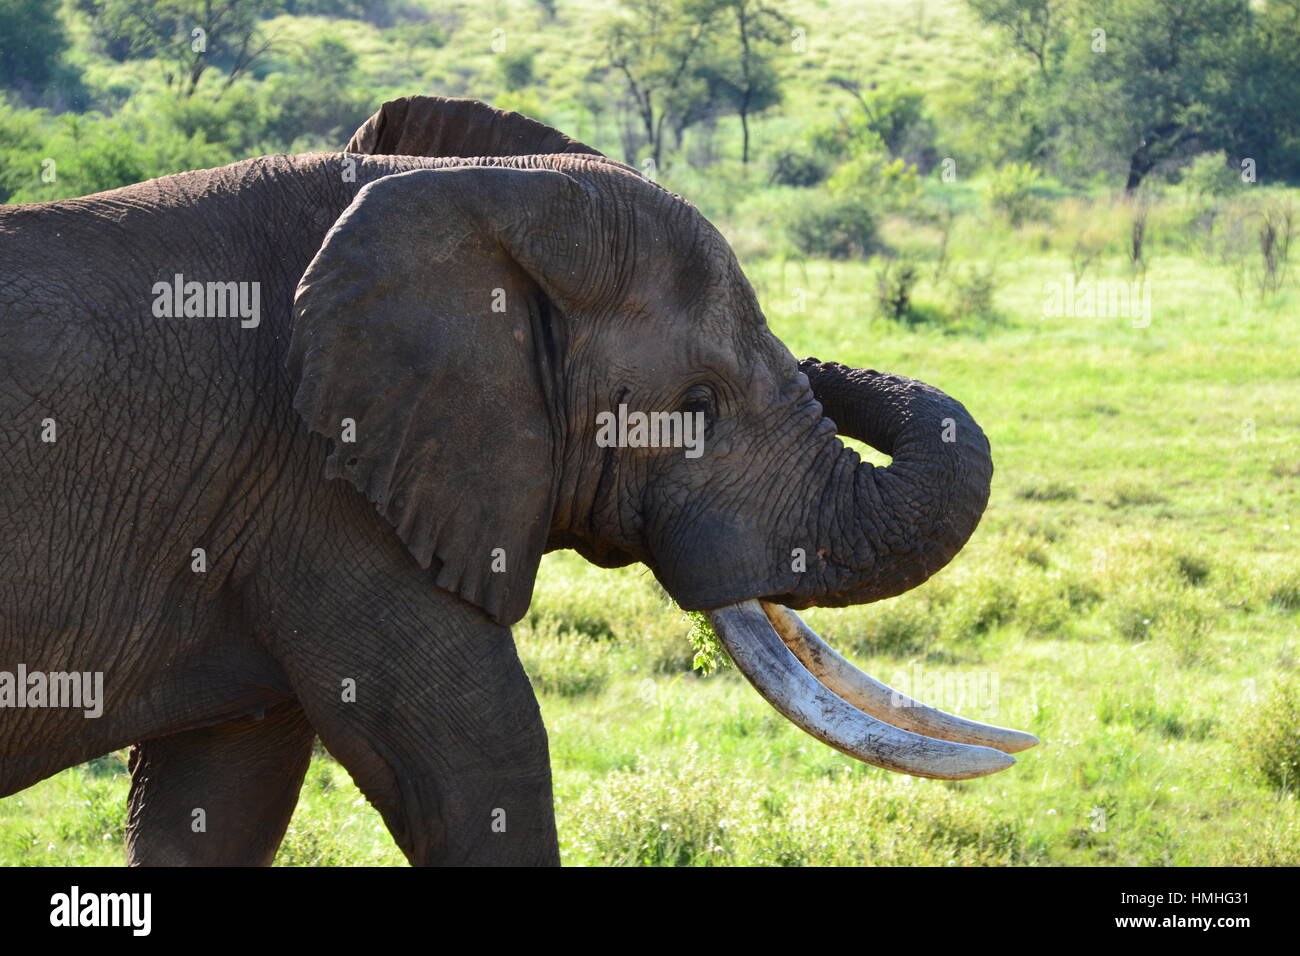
{"x": 439, "y": 126}
{"x": 425, "y": 343}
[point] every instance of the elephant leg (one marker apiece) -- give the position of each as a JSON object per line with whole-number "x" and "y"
{"x": 219, "y": 795}
{"x": 444, "y": 737}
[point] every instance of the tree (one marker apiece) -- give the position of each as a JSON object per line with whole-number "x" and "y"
{"x": 31, "y": 41}
{"x": 192, "y": 35}
{"x": 1034, "y": 27}
{"x": 1263, "y": 119}
{"x": 1159, "y": 87}
{"x": 1132, "y": 84}
{"x": 516, "y": 69}
{"x": 657, "y": 47}
{"x": 324, "y": 112}
{"x": 745, "y": 73}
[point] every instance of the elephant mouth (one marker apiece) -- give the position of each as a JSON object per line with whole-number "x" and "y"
{"x": 824, "y": 695}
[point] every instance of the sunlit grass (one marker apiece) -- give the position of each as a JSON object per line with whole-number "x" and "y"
{"x": 1131, "y": 596}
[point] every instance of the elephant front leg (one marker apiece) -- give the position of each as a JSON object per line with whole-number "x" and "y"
{"x": 440, "y": 729}
{"x": 220, "y": 795}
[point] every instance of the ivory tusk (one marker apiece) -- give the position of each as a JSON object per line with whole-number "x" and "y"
{"x": 879, "y": 700}
{"x": 761, "y": 655}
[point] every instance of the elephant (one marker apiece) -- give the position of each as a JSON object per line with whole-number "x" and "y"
{"x": 286, "y": 440}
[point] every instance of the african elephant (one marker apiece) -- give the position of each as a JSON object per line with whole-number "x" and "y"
{"x": 285, "y": 442}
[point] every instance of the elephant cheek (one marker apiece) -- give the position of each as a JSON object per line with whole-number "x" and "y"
{"x": 716, "y": 560}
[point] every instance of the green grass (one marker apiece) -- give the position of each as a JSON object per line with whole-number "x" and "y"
{"x": 1131, "y": 597}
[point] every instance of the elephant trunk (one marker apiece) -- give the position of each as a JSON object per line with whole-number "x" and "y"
{"x": 891, "y": 528}
{"x": 886, "y": 530}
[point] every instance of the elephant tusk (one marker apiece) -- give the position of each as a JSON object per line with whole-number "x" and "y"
{"x": 872, "y": 697}
{"x": 761, "y": 655}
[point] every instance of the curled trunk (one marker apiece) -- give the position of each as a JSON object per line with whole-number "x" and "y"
{"x": 886, "y": 530}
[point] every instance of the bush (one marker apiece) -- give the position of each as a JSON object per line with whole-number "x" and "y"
{"x": 1210, "y": 175}
{"x": 906, "y": 625}
{"x": 1285, "y": 593}
{"x": 871, "y": 179}
{"x": 325, "y": 112}
{"x": 32, "y": 39}
{"x": 516, "y": 69}
{"x": 834, "y": 227}
{"x": 1010, "y": 191}
{"x": 381, "y": 13}
{"x": 894, "y": 283}
{"x": 92, "y": 152}
{"x": 972, "y": 294}
{"x": 239, "y": 120}
{"x": 1127, "y": 494}
{"x": 1269, "y": 742}
{"x": 790, "y": 167}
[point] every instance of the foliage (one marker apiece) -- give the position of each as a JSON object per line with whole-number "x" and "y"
{"x": 894, "y": 284}
{"x": 683, "y": 62}
{"x": 32, "y": 39}
{"x": 891, "y": 119}
{"x": 93, "y": 152}
{"x": 743, "y": 72}
{"x": 871, "y": 179}
{"x": 1133, "y": 85}
{"x": 709, "y": 653}
{"x": 516, "y": 68}
{"x": 1010, "y": 191}
{"x": 1208, "y": 174}
{"x": 794, "y": 167}
{"x": 324, "y": 114}
{"x": 836, "y": 227}
{"x": 1270, "y": 744}
{"x": 190, "y": 36}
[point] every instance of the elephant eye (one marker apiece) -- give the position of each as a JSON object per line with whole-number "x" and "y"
{"x": 699, "y": 399}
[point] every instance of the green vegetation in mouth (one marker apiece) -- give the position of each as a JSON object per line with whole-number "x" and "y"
{"x": 709, "y": 653}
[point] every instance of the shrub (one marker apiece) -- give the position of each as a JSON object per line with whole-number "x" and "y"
{"x": 93, "y": 153}
{"x": 972, "y": 294}
{"x": 516, "y": 69}
{"x": 1146, "y": 713}
{"x": 1010, "y": 191}
{"x": 1128, "y": 495}
{"x": 1209, "y": 174}
{"x": 1269, "y": 742}
{"x": 836, "y": 227}
{"x": 326, "y": 111}
{"x": 874, "y": 180}
{"x": 1193, "y": 569}
{"x": 1285, "y": 593}
{"x": 791, "y": 167}
{"x": 894, "y": 283}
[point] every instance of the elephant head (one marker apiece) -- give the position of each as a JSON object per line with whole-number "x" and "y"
{"x": 483, "y": 324}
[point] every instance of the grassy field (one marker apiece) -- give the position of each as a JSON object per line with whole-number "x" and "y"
{"x": 1132, "y": 595}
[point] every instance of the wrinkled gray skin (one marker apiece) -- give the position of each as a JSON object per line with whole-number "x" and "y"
{"x": 372, "y": 561}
